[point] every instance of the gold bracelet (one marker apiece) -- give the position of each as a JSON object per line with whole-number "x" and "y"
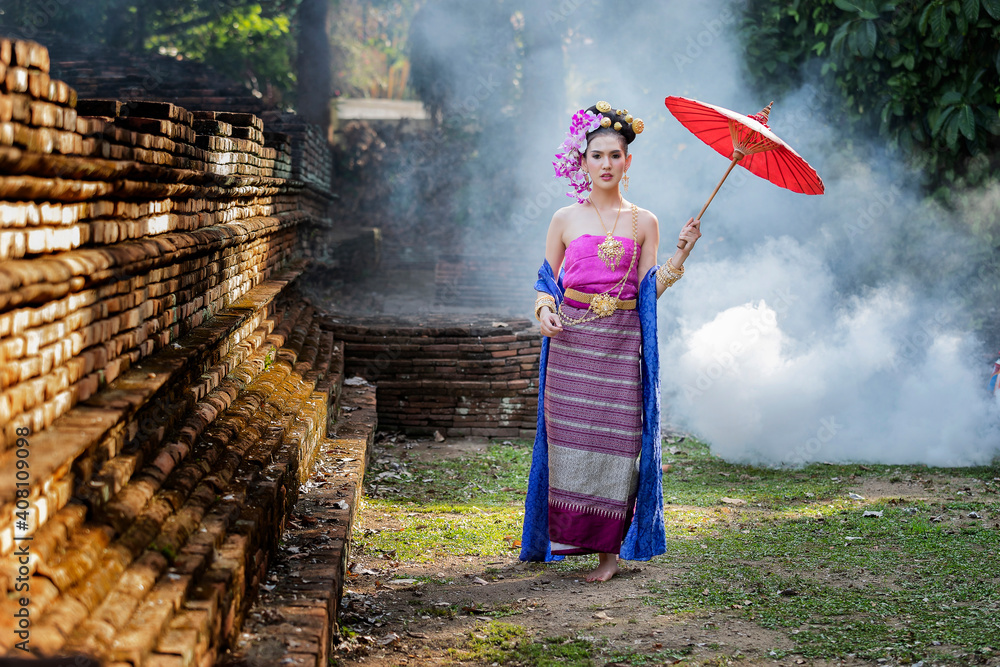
{"x": 668, "y": 270}
{"x": 540, "y": 303}
{"x": 667, "y": 277}
{"x": 544, "y": 299}
{"x": 674, "y": 269}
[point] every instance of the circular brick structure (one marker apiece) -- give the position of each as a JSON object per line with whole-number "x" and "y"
{"x": 445, "y": 373}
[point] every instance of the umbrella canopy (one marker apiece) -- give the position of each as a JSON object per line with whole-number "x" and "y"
{"x": 749, "y": 141}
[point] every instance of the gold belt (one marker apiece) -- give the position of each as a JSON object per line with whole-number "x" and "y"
{"x": 603, "y": 304}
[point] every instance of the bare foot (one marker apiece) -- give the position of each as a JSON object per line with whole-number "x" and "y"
{"x": 606, "y": 568}
{"x": 666, "y": 467}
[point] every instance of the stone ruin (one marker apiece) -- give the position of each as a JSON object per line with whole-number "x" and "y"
{"x": 165, "y": 385}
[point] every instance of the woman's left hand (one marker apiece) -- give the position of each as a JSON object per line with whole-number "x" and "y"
{"x": 689, "y": 235}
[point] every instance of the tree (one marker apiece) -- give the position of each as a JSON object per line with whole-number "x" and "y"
{"x": 913, "y": 71}
{"x": 249, "y": 41}
{"x": 315, "y": 63}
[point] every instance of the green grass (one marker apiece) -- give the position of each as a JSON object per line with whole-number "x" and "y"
{"x": 497, "y": 477}
{"x": 900, "y": 586}
{"x": 507, "y": 644}
{"x": 448, "y": 507}
{"x": 429, "y": 532}
{"x": 920, "y": 582}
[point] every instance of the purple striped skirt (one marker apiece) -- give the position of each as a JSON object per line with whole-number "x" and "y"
{"x": 593, "y": 417}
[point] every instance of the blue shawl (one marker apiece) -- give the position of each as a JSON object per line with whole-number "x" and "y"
{"x": 646, "y": 536}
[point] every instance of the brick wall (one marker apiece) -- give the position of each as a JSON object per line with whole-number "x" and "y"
{"x": 163, "y": 386}
{"x": 486, "y": 281}
{"x": 447, "y": 374}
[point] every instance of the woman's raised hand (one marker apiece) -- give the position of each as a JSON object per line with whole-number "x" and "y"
{"x": 550, "y": 323}
{"x": 689, "y": 235}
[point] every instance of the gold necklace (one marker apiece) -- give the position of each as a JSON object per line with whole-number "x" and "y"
{"x": 605, "y": 303}
{"x": 610, "y": 250}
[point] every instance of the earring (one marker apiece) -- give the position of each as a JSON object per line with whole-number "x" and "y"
{"x": 586, "y": 177}
{"x": 625, "y": 182}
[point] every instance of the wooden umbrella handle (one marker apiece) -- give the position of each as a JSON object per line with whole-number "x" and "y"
{"x": 737, "y": 156}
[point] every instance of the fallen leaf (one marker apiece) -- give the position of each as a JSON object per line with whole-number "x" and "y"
{"x": 603, "y": 616}
{"x": 388, "y": 639}
{"x": 733, "y": 501}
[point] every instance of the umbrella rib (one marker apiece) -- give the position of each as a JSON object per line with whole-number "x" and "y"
{"x": 812, "y": 178}
{"x": 780, "y": 166}
{"x": 794, "y": 175}
{"x": 800, "y": 174}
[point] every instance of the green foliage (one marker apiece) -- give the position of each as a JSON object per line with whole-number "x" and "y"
{"x": 913, "y": 71}
{"x": 246, "y": 42}
{"x": 252, "y": 42}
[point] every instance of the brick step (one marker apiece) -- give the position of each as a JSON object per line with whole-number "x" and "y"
{"x": 151, "y": 513}
{"x": 134, "y": 408}
{"x": 89, "y": 335}
{"x": 295, "y": 621}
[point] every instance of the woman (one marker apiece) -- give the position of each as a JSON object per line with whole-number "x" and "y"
{"x": 595, "y": 476}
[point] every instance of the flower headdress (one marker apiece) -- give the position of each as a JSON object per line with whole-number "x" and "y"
{"x": 569, "y": 163}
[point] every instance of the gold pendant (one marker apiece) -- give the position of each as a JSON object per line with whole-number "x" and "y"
{"x": 610, "y": 250}
{"x": 604, "y": 305}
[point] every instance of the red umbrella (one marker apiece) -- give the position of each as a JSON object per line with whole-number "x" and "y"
{"x": 747, "y": 140}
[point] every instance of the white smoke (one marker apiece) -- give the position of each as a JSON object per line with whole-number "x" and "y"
{"x": 807, "y": 328}
{"x": 825, "y": 328}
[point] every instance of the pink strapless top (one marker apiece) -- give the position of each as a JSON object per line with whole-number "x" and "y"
{"x": 586, "y": 272}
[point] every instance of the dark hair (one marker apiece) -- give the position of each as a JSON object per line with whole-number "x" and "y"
{"x": 626, "y": 135}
